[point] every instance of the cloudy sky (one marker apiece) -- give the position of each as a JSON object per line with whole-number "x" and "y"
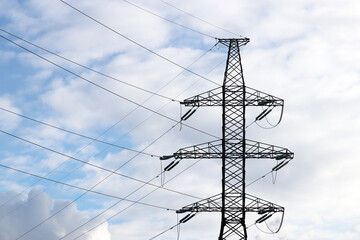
{"x": 121, "y": 83}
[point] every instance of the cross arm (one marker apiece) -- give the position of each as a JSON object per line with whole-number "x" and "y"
{"x": 214, "y": 97}
{"x": 263, "y": 150}
{"x": 205, "y": 150}
{"x": 213, "y": 204}
{"x": 253, "y": 149}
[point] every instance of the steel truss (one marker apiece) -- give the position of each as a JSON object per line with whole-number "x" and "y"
{"x": 233, "y": 96}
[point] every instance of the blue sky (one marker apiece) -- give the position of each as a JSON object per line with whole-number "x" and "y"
{"x": 305, "y": 52}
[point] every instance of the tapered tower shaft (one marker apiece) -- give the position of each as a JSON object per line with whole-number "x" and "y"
{"x": 233, "y": 140}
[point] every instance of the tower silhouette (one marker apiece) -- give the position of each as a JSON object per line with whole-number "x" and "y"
{"x": 233, "y": 149}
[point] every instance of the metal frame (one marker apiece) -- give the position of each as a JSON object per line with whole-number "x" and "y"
{"x": 233, "y": 96}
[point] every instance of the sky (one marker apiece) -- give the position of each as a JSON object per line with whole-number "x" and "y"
{"x": 305, "y": 52}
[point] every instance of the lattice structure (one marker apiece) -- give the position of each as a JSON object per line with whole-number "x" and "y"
{"x": 233, "y": 148}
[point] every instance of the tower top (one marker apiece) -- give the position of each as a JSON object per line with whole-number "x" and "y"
{"x": 226, "y": 41}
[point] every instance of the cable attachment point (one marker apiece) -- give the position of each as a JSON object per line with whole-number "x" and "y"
{"x": 264, "y": 218}
{"x": 166, "y": 157}
{"x": 188, "y": 114}
{"x": 265, "y": 102}
{"x": 266, "y": 210}
{"x": 263, "y": 114}
{"x": 284, "y": 155}
{"x": 187, "y": 218}
{"x": 280, "y": 165}
{"x": 171, "y": 165}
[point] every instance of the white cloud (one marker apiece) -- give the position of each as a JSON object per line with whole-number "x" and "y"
{"x": 26, "y": 213}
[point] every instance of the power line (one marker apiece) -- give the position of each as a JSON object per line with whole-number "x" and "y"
{"x": 158, "y": 235}
{"x": 103, "y": 88}
{"x": 117, "y": 213}
{"x": 77, "y": 134}
{"x": 137, "y": 200}
{"x": 258, "y": 179}
{"x": 99, "y": 167}
{"x": 88, "y": 68}
{"x": 73, "y": 155}
{"x": 154, "y": 93}
{"x": 57, "y": 152}
{"x": 167, "y": 104}
{"x": 98, "y": 183}
{"x": 59, "y": 167}
{"x": 145, "y": 195}
{"x": 171, "y": 228}
{"x": 123, "y": 119}
{"x": 127, "y": 132}
{"x": 83, "y": 189}
{"x": 168, "y": 20}
{"x": 138, "y": 44}
{"x": 202, "y": 20}
{"x": 107, "y": 195}
{"x": 148, "y": 193}
{"x": 113, "y": 205}
{"x": 133, "y": 204}
{"x": 125, "y": 176}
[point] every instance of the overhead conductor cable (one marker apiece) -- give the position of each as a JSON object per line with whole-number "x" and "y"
{"x": 88, "y": 68}
{"x": 202, "y": 20}
{"x": 168, "y": 20}
{"x": 138, "y": 44}
{"x": 101, "y": 87}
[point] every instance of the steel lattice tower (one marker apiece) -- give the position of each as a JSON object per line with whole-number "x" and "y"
{"x": 234, "y": 149}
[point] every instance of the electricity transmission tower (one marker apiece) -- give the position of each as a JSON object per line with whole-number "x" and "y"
{"x": 234, "y": 149}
